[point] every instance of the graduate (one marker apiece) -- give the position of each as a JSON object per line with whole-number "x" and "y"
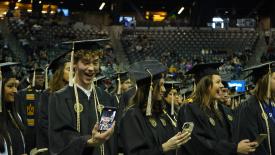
{"x": 212, "y": 121}
{"x": 12, "y": 140}
{"x": 60, "y": 68}
{"x": 75, "y": 109}
{"x": 171, "y": 100}
{"x": 144, "y": 130}
{"x": 257, "y": 115}
{"x": 27, "y": 102}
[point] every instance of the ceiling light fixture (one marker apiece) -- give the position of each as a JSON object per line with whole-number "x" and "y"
{"x": 180, "y": 11}
{"x": 102, "y": 6}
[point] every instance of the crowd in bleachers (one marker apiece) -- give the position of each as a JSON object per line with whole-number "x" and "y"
{"x": 41, "y": 38}
{"x": 180, "y": 49}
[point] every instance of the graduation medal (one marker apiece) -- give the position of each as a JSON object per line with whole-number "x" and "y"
{"x": 163, "y": 121}
{"x": 80, "y": 107}
{"x": 153, "y": 122}
{"x": 230, "y": 118}
{"x": 212, "y": 121}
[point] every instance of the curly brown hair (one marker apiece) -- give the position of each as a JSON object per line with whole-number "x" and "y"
{"x": 80, "y": 54}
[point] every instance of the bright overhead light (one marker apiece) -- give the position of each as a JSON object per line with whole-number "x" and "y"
{"x": 40, "y": 2}
{"x": 102, "y": 6}
{"x": 29, "y": 10}
{"x": 19, "y": 1}
{"x": 180, "y": 11}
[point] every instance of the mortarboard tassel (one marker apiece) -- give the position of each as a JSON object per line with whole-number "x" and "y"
{"x": 33, "y": 78}
{"x": 71, "y": 67}
{"x": 46, "y": 78}
{"x": 1, "y": 90}
{"x": 194, "y": 86}
{"x": 172, "y": 104}
{"x": 149, "y": 101}
{"x": 119, "y": 86}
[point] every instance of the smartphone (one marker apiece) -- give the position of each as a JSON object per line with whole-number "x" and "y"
{"x": 107, "y": 118}
{"x": 187, "y": 127}
{"x": 260, "y": 138}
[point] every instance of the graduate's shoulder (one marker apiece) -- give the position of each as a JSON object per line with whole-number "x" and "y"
{"x": 251, "y": 102}
{"x": 63, "y": 90}
{"x": 190, "y": 106}
{"x": 132, "y": 112}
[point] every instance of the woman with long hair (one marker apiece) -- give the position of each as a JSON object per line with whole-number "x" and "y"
{"x": 144, "y": 129}
{"x": 60, "y": 67}
{"x": 11, "y": 128}
{"x": 257, "y": 115}
{"x": 212, "y": 121}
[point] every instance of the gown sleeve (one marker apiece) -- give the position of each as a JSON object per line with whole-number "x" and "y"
{"x": 64, "y": 139}
{"x": 133, "y": 136}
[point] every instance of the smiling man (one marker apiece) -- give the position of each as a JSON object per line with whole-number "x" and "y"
{"x": 74, "y": 110}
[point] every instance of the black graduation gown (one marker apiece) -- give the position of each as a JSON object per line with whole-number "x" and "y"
{"x": 42, "y": 140}
{"x": 249, "y": 123}
{"x": 207, "y": 138}
{"x": 11, "y": 133}
{"x": 143, "y": 136}
{"x": 22, "y": 102}
{"x": 121, "y": 103}
{"x": 63, "y": 135}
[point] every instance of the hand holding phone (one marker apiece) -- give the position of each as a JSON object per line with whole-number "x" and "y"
{"x": 260, "y": 138}
{"x": 187, "y": 127}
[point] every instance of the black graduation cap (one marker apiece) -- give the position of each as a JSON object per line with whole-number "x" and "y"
{"x": 201, "y": 70}
{"x": 58, "y": 62}
{"x": 6, "y": 72}
{"x": 91, "y": 45}
{"x": 35, "y": 71}
{"x": 172, "y": 84}
{"x": 86, "y": 45}
{"x": 39, "y": 71}
{"x": 123, "y": 76}
{"x": 144, "y": 72}
{"x": 258, "y": 71}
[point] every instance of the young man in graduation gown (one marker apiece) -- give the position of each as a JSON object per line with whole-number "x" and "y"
{"x": 27, "y": 102}
{"x": 212, "y": 133}
{"x": 257, "y": 115}
{"x": 75, "y": 110}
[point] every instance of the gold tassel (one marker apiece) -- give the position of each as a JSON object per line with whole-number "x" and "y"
{"x": 149, "y": 101}
{"x": 46, "y": 78}
{"x": 194, "y": 86}
{"x": 172, "y": 106}
{"x": 71, "y": 67}
{"x": 119, "y": 86}
{"x": 33, "y": 78}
